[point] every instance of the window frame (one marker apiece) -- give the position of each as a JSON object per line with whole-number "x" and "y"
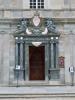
{"x": 37, "y": 4}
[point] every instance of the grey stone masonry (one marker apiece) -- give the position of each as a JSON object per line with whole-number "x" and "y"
{"x": 35, "y": 92}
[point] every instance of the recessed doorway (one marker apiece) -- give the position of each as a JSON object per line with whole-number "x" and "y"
{"x": 36, "y": 63}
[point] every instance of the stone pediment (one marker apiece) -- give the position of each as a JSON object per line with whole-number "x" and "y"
{"x": 36, "y": 26}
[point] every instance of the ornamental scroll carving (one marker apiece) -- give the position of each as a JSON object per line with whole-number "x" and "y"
{"x": 36, "y": 26}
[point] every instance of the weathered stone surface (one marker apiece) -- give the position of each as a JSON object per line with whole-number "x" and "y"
{"x": 34, "y": 93}
{"x": 49, "y": 4}
{"x": 64, "y": 17}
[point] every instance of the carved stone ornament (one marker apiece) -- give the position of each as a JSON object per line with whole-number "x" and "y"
{"x": 28, "y": 31}
{"x": 36, "y": 26}
{"x": 36, "y": 43}
{"x": 45, "y": 31}
{"x": 36, "y": 20}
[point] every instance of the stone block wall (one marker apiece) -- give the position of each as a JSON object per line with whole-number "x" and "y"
{"x": 49, "y": 4}
{"x": 65, "y": 26}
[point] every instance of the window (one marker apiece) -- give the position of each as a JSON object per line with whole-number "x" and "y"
{"x": 38, "y": 4}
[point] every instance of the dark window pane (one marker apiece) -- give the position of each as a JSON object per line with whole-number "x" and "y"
{"x": 42, "y": 0}
{"x": 31, "y": 7}
{"x": 30, "y": 0}
{"x": 38, "y": 0}
{"x": 42, "y": 3}
{"x": 34, "y": 7}
{"x": 38, "y": 6}
{"x": 30, "y": 3}
{"x": 42, "y": 6}
{"x": 38, "y": 3}
{"x": 34, "y": 3}
{"x": 34, "y": 0}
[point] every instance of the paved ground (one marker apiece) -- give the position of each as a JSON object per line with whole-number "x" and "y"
{"x": 38, "y": 90}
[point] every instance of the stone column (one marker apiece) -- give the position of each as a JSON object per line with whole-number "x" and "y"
{"x": 26, "y": 62}
{"x": 52, "y": 56}
{"x": 47, "y": 66}
{"x": 21, "y": 61}
{"x": 21, "y": 55}
{"x": 57, "y": 55}
{"x": 49, "y": 55}
{"x": 16, "y": 54}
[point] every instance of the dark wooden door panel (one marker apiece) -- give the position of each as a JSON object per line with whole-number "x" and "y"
{"x": 37, "y": 63}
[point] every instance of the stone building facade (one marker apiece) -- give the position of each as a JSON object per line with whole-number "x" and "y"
{"x": 37, "y": 33}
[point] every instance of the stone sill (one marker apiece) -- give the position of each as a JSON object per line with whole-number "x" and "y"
{"x": 22, "y": 83}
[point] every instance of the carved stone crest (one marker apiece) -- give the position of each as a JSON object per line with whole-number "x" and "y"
{"x": 37, "y": 26}
{"x": 36, "y": 20}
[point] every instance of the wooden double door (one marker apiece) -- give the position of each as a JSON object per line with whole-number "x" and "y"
{"x": 36, "y": 63}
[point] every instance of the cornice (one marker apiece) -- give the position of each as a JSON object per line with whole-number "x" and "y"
{"x": 17, "y": 9}
{"x": 57, "y": 20}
